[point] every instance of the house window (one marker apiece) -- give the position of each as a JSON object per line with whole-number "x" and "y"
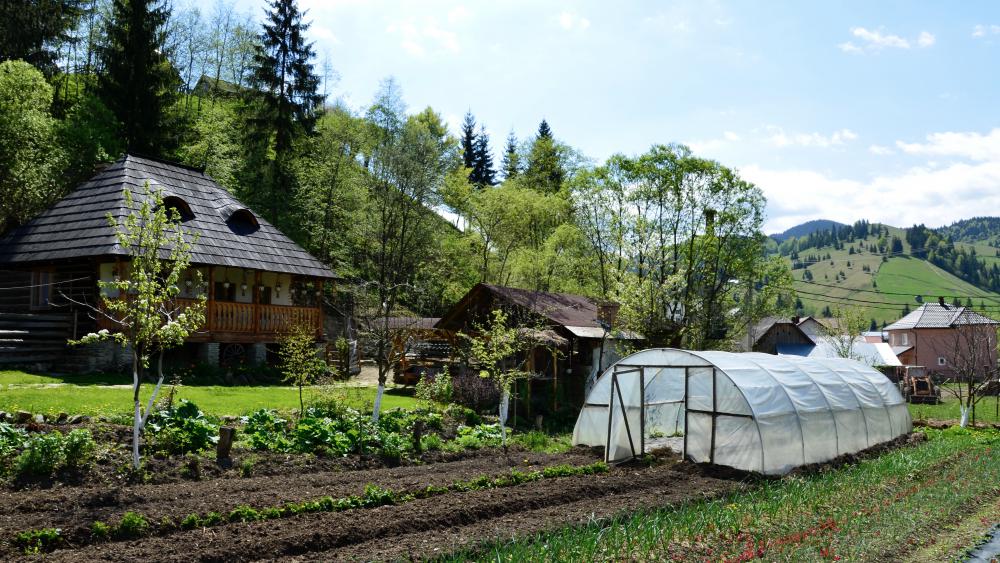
{"x": 41, "y": 289}
{"x": 942, "y": 361}
{"x": 905, "y": 339}
{"x": 224, "y": 293}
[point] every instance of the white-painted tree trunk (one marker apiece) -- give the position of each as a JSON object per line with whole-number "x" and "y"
{"x": 378, "y": 403}
{"x": 136, "y": 421}
{"x": 964, "y": 420}
{"x": 504, "y": 404}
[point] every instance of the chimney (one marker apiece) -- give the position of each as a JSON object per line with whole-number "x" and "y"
{"x": 607, "y": 312}
{"x": 941, "y": 302}
{"x": 796, "y": 320}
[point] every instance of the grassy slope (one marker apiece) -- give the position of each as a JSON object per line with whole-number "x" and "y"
{"x": 899, "y": 275}
{"x": 89, "y": 396}
{"x": 897, "y": 502}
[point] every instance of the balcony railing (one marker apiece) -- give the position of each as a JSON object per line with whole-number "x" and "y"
{"x": 250, "y": 318}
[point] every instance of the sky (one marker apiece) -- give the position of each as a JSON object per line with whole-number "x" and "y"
{"x": 885, "y": 111}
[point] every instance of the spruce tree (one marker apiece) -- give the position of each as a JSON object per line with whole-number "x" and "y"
{"x": 469, "y": 141}
{"x": 138, "y": 83}
{"x": 284, "y": 102}
{"x": 483, "y": 173}
{"x": 544, "y": 172}
{"x": 32, "y": 30}
{"x": 511, "y": 159}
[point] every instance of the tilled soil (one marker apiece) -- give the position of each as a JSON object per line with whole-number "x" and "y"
{"x": 417, "y": 529}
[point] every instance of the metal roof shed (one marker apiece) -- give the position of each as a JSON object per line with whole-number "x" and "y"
{"x": 755, "y": 412}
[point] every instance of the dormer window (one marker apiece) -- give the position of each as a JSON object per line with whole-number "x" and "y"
{"x": 240, "y": 219}
{"x": 178, "y": 208}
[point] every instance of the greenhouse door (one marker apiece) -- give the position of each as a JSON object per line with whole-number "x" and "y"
{"x": 625, "y": 414}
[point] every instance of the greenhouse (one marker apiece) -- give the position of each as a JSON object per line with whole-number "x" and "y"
{"x": 751, "y": 411}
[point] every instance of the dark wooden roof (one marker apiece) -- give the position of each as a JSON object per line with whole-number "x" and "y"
{"x": 559, "y": 308}
{"x": 77, "y": 226}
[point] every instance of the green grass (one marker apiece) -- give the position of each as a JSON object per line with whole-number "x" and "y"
{"x": 903, "y": 275}
{"x": 986, "y": 409}
{"x": 876, "y": 509}
{"x": 94, "y": 400}
{"x": 18, "y": 377}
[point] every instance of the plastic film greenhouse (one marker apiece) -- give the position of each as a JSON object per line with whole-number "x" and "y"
{"x": 751, "y": 411}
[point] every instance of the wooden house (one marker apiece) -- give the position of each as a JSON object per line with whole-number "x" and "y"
{"x": 258, "y": 282}
{"x": 576, "y": 337}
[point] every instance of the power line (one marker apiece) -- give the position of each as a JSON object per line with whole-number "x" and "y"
{"x": 836, "y": 300}
{"x": 990, "y": 297}
{"x": 44, "y": 284}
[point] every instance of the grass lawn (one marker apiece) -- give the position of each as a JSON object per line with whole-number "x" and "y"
{"x": 96, "y": 395}
{"x": 884, "y": 508}
{"x": 986, "y": 409}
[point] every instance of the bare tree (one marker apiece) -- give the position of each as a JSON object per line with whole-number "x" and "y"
{"x": 970, "y": 356}
{"x": 844, "y": 330}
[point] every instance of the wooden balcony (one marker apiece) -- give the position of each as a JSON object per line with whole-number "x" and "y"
{"x": 227, "y": 321}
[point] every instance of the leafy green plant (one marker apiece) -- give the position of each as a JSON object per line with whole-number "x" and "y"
{"x": 79, "y": 448}
{"x": 38, "y": 541}
{"x": 182, "y": 428}
{"x": 481, "y": 436}
{"x": 132, "y": 525}
{"x": 190, "y": 522}
{"x": 265, "y": 430}
{"x": 299, "y": 362}
{"x": 42, "y": 454}
{"x": 12, "y": 439}
{"x": 435, "y": 387}
{"x": 244, "y": 513}
{"x": 247, "y": 465}
{"x": 431, "y": 442}
{"x": 100, "y": 530}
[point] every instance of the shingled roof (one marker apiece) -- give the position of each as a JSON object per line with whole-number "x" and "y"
{"x": 935, "y": 315}
{"x": 229, "y": 233}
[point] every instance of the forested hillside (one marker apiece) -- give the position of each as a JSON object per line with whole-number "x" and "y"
{"x": 675, "y": 238}
{"x": 887, "y": 271}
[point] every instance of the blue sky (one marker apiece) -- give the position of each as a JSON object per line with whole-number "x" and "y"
{"x": 841, "y": 110}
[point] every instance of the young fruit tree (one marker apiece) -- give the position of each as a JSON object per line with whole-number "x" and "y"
{"x": 300, "y": 362}
{"x": 844, "y": 331}
{"x": 497, "y": 350}
{"x": 142, "y": 306}
{"x": 970, "y": 354}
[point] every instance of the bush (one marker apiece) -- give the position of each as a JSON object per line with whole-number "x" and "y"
{"x": 535, "y": 441}
{"x": 478, "y": 393}
{"x": 79, "y": 448}
{"x": 320, "y": 434}
{"x": 435, "y": 387}
{"x": 182, "y": 429}
{"x": 132, "y": 525}
{"x": 464, "y": 414}
{"x": 42, "y": 454}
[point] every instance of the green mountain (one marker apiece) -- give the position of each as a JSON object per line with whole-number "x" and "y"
{"x": 887, "y": 271}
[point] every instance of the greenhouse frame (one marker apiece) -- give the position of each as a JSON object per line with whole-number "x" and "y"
{"x": 751, "y": 411}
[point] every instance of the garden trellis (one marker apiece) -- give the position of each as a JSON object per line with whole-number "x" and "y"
{"x": 751, "y": 411}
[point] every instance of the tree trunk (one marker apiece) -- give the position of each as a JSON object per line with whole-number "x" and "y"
{"x": 137, "y": 420}
{"x": 378, "y": 401}
{"x": 156, "y": 390}
{"x": 964, "y": 421}
{"x": 302, "y": 405}
{"x": 504, "y": 404}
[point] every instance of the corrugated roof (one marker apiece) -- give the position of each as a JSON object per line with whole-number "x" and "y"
{"x": 935, "y": 315}
{"x": 77, "y": 227}
{"x": 873, "y": 354}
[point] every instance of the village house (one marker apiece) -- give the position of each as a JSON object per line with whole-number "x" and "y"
{"x": 576, "y": 338}
{"x": 944, "y": 338}
{"x": 258, "y": 282}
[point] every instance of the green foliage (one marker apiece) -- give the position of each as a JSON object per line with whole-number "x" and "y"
{"x": 79, "y": 447}
{"x": 12, "y": 439}
{"x": 190, "y": 522}
{"x": 100, "y": 530}
{"x": 481, "y": 436}
{"x": 31, "y": 159}
{"x": 265, "y": 430}
{"x": 435, "y": 387}
{"x": 38, "y": 541}
{"x": 300, "y": 362}
{"x": 31, "y": 31}
{"x": 182, "y": 428}
{"x": 138, "y": 83}
{"x": 42, "y": 454}
{"x": 132, "y": 525}
{"x": 244, "y": 513}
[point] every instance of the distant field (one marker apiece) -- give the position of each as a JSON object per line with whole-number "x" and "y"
{"x": 843, "y": 280}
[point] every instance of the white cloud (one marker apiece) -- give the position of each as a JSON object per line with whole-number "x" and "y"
{"x": 981, "y": 30}
{"x": 324, "y": 33}
{"x": 730, "y": 136}
{"x": 571, "y": 21}
{"x": 779, "y": 138}
{"x": 419, "y": 37}
{"x": 459, "y": 14}
{"x": 936, "y": 196}
{"x": 880, "y": 150}
{"x": 871, "y": 40}
{"x": 968, "y": 145}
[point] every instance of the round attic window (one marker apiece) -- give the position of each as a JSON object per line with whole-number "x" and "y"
{"x": 240, "y": 219}
{"x": 178, "y": 208}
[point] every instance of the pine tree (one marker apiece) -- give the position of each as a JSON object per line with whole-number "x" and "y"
{"x": 483, "y": 173}
{"x": 544, "y": 172}
{"x": 32, "y": 31}
{"x": 512, "y": 160}
{"x": 469, "y": 141}
{"x": 138, "y": 83}
{"x": 285, "y": 101}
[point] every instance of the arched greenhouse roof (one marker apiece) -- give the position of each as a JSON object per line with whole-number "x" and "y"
{"x": 753, "y": 411}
